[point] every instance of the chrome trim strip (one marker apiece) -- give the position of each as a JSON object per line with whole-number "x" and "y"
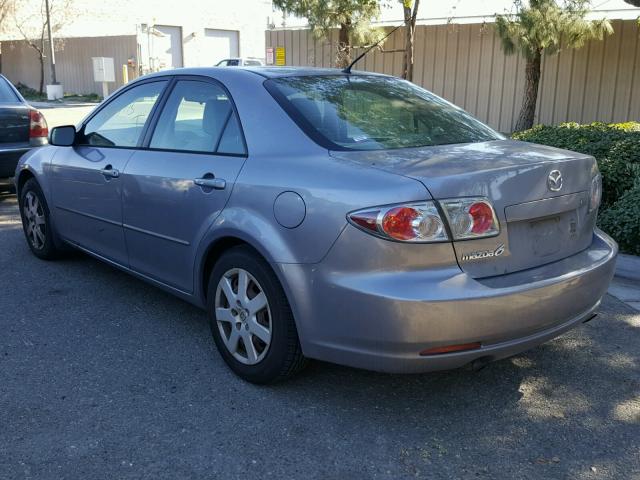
{"x": 154, "y": 234}
{"x": 88, "y": 215}
{"x": 15, "y": 149}
{"x": 124, "y": 225}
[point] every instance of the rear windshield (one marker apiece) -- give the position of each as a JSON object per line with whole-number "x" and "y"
{"x": 367, "y": 112}
{"x": 6, "y": 92}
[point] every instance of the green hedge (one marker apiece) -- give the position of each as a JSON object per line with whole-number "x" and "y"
{"x": 622, "y": 221}
{"x": 616, "y": 148}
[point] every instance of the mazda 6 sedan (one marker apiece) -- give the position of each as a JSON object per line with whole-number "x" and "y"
{"x": 353, "y": 218}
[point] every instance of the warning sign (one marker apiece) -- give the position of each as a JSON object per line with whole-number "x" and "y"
{"x": 270, "y": 56}
{"x": 280, "y": 56}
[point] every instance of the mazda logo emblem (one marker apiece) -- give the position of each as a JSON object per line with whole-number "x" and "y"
{"x": 554, "y": 181}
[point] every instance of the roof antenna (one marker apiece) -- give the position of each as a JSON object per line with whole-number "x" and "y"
{"x": 348, "y": 69}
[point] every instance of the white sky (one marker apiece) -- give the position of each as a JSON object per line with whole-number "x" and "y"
{"x": 466, "y": 11}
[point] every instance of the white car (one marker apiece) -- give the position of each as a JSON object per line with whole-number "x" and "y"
{"x": 240, "y": 62}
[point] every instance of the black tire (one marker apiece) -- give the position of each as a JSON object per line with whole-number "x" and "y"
{"x": 283, "y": 357}
{"x": 46, "y": 248}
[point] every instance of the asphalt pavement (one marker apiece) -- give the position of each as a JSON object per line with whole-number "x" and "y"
{"x": 103, "y": 376}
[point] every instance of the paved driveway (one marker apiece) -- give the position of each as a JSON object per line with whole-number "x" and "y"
{"x": 57, "y": 115}
{"x": 103, "y": 376}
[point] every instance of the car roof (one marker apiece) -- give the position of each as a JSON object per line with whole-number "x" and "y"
{"x": 266, "y": 72}
{"x": 277, "y": 72}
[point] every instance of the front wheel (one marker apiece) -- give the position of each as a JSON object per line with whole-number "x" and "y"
{"x": 251, "y": 320}
{"x": 36, "y": 221}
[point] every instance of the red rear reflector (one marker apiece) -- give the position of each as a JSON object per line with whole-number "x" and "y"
{"x": 398, "y": 223}
{"x": 482, "y": 216}
{"x": 450, "y": 349}
{"x": 37, "y": 125}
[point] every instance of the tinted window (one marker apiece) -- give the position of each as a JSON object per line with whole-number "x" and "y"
{"x": 363, "y": 112}
{"x": 120, "y": 122}
{"x": 233, "y": 63}
{"x": 6, "y": 92}
{"x": 198, "y": 117}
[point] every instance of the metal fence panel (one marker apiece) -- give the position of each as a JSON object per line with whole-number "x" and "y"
{"x": 465, "y": 64}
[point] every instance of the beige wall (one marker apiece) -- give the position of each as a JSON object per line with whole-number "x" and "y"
{"x": 465, "y": 65}
{"x": 100, "y": 18}
{"x": 74, "y": 68}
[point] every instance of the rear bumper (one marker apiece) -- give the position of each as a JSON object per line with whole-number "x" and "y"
{"x": 382, "y": 320}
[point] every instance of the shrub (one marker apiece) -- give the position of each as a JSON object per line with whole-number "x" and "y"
{"x": 622, "y": 221}
{"x": 619, "y": 169}
{"x": 29, "y": 93}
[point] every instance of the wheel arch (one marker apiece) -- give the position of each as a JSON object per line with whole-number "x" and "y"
{"x": 24, "y": 175}
{"x": 213, "y": 252}
{"x": 238, "y": 226}
{"x": 215, "y": 248}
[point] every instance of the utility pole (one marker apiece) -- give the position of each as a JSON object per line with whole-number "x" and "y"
{"x": 51, "y": 49}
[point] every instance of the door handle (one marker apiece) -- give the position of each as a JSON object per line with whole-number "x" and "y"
{"x": 110, "y": 172}
{"x": 215, "y": 183}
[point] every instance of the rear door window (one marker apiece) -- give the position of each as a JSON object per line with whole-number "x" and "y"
{"x": 198, "y": 117}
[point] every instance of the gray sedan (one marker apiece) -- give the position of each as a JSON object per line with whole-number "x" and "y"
{"x": 348, "y": 217}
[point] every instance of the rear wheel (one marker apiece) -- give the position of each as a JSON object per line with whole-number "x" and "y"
{"x": 36, "y": 222}
{"x": 251, "y": 320}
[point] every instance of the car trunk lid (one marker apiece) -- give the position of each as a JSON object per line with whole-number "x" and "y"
{"x": 14, "y": 123}
{"x": 539, "y": 223}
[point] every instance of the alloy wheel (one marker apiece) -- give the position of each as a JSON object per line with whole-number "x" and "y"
{"x": 243, "y": 316}
{"x": 35, "y": 220}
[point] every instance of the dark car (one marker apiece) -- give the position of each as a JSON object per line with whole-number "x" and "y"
{"x": 22, "y": 127}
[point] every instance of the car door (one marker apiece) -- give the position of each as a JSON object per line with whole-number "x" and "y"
{"x": 86, "y": 184}
{"x": 176, "y": 187}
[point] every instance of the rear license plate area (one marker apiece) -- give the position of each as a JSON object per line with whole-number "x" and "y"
{"x": 544, "y": 236}
{"x": 550, "y": 235}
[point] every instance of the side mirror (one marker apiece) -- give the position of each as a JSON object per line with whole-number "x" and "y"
{"x": 63, "y": 136}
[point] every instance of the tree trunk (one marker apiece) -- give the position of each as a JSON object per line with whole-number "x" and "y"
{"x": 343, "y": 55}
{"x": 409, "y": 46}
{"x": 532, "y": 82}
{"x": 41, "y": 57}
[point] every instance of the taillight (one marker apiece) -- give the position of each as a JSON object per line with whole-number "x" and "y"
{"x": 596, "y": 192}
{"x": 37, "y": 125}
{"x": 412, "y": 222}
{"x": 470, "y": 218}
